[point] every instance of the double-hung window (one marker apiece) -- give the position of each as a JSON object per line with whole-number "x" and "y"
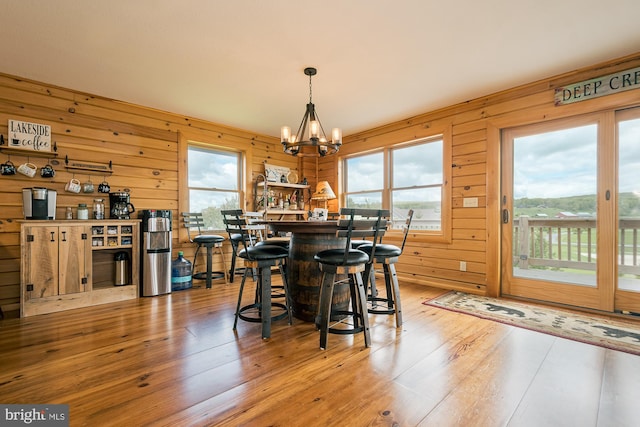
{"x": 214, "y": 181}
{"x": 400, "y": 177}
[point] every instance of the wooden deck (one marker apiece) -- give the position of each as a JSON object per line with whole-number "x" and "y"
{"x": 174, "y": 360}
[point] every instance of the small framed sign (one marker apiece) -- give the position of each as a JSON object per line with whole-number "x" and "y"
{"x": 29, "y": 136}
{"x": 275, "y": 173}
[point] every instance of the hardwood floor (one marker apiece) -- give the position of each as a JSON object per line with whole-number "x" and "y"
{"x": 175, "y": 360}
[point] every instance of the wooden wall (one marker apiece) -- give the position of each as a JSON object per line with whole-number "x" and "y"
{"x": 475, "y": 126}
{"x": 147, "y": 148}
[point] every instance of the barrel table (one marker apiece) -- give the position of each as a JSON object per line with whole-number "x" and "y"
{"x": 303, "y": 272}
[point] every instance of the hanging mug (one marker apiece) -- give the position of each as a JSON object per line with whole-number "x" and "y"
{"x": 7, "y": 168}
{"x": 87, "y": 187}
{"x": 104, "y": 187}
{"x": 28, "y": 169}
{"x": 73, "y": 186}
{"x": 47, "y": 171}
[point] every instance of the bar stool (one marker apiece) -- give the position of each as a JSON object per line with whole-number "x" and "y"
{"x": 213, "y": 244}
{"x": 387, "y": 255}
{"x": 261, "y": 259}
{"x": 352, "y": 262}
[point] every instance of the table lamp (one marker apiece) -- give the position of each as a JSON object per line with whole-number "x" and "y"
{"x": 323, "y": 192}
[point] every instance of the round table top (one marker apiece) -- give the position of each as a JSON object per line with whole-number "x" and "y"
{"x": 299, "y": 226}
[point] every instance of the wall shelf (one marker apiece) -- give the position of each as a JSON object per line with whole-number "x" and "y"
{"x": 88, "y": 167}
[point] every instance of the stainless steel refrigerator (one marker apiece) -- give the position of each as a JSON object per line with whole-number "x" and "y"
{"x": 156, "y": 252}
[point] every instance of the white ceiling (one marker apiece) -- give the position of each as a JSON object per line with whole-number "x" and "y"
{"x": 240, "y": 62}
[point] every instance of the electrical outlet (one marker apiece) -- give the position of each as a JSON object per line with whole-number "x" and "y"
{"x": 463, "y": 266}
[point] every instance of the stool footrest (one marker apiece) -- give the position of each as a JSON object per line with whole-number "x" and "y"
{"x": 346, "y": 331}
{"x": 258, "y": 317}
{"x": 214, "y": 275}
{"x": 374, "y": 308}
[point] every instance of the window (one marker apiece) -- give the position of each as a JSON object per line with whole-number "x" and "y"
{"x": 364, "y": 181}
{"x": 214, "y": 183}
{"x": 416, "y": 183}
{"x": 401, "y": 177}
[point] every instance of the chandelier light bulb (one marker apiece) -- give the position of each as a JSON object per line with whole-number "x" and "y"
{"x": 285, "y": 133}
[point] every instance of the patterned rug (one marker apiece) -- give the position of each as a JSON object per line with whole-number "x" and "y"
{"x": 578, "y": 327}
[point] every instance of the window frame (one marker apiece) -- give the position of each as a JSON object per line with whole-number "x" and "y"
{"x": 432, "y": 236}
{"x": 241, "y": 163}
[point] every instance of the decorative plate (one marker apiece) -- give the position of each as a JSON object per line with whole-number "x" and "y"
{"x": 292, "y": 178}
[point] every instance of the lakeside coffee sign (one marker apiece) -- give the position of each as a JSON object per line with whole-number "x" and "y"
{"x": 600, "y": 86}
{"x": 29, "y": 136}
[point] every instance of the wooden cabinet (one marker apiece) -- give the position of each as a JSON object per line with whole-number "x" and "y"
{"x": 56, "y": 260}
{"x": 70, "y": 264}
{"x": 266, "y": 190}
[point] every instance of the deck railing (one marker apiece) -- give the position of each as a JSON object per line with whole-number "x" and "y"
{"x": 571, "y": 243}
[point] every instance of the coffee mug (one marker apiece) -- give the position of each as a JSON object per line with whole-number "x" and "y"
{"x": 87, "y": 187}
{"x": 7, "y": 168}
{"x": 47, "y": 171}
{"x": 28, "y": 169}
{"x": 104, "y": 187}
{"x": 73, "y": 186}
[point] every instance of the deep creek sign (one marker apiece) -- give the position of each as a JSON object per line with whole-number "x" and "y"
{"x": 29, "y": 136}
{"x": 600, "y": 86}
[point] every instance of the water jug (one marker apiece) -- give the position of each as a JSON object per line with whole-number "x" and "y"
{"x": 180, "y": 273}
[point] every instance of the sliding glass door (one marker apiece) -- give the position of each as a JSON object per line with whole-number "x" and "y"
{"x": 571, "y": 211}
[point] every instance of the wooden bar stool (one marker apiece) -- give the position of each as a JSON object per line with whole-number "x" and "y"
{"x": 357, "y": 223}
{"x": 262, "y": 259}
{"x": 212, "y": 243}
{"x": 386, "y": 255}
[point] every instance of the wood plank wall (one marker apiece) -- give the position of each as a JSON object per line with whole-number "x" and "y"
{"x": 147, "y": 148}
{"x": 475, "y": 127}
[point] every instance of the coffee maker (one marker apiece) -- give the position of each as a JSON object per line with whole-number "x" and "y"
{"x": 39, "y": 203}
{"x": 119, "y": 205}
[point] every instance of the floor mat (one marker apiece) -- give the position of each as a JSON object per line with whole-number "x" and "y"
{"x": 575, "y": 326}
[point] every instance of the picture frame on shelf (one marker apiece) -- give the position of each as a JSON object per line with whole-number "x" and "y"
{"x": 275, "y": 173}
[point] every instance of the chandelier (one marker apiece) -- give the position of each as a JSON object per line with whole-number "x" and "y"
{"x": 314, "y": 137}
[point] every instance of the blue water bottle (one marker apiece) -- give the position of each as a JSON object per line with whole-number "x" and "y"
{"x": 180, "y": 273}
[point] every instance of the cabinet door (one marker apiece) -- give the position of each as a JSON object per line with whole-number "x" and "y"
{"x": 72, "y": 250}
{"x": 40, "y": 252}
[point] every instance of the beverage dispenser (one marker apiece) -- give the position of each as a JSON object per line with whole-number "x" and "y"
{"x": 156, "y": 252}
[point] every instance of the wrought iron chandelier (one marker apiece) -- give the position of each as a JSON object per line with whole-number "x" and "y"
{"x": 296, "y": 145}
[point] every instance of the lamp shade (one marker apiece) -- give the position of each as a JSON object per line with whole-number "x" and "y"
{"x": 323, "y": 192}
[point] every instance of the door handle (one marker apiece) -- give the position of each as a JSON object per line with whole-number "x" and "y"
{"x": 505, "y": 216}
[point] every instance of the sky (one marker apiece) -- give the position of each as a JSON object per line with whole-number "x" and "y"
{"x": 564, "y": 163}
